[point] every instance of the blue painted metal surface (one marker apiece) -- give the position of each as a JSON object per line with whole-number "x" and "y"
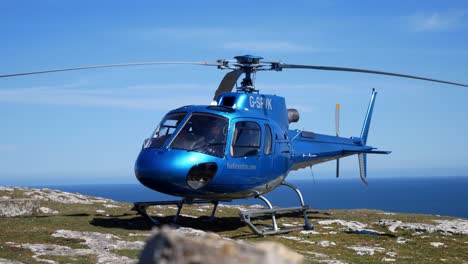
{"x": 248, "y": 58}
{"x": 167, "y": 169}
{"x": 367, "y": 120}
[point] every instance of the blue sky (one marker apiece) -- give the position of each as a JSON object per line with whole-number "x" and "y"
{"x": 88, "y": 126}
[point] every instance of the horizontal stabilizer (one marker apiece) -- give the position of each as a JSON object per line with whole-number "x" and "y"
{"x": 370, "y": 151}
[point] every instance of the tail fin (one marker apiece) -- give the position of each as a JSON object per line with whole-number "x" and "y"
{"x": 367, "y": 120}
{"x": 364, "y": 133}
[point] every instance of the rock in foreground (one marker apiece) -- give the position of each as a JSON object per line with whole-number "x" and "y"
{"x": 169, "y": 246}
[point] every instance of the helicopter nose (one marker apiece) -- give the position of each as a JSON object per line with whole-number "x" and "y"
{"x": 175, "y": 172}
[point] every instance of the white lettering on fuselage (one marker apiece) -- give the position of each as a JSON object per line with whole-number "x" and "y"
{"x": 241, "y": 166}
{"x": 260, "y": 102}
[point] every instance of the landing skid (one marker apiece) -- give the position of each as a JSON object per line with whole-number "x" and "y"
{"x": 141, "y": 208}
{"x": 246, "y": 216}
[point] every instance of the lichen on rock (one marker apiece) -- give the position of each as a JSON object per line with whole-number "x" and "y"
{"x": 18, "y": 207}
{"x": 457, "y": 226}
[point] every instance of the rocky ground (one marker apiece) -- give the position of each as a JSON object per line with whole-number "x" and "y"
{"x": 49, "y": 226}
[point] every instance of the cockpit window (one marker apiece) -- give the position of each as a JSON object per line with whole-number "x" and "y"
{"x": 203, "y": 133}
{"x": 246, "y": 140}
{"x": 165, "y": 129}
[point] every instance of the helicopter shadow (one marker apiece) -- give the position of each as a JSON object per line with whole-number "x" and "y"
{"x": 142, "y": 223}
{"x": 219, "y": 224}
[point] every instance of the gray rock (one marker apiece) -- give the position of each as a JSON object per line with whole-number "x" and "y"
{"x": 61, "y": 196}
{"x": 456, "y": 226}
{"x": 364, "y": 250}
{"x": 100, "y": 244}
{"x": 168, "y": 246}
{"x": 352, "y": 227}
{"x": 99, "y": 241}
{"x": 17, "y": 207}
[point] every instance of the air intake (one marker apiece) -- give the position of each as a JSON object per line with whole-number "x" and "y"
{"x": 293, "y": 115}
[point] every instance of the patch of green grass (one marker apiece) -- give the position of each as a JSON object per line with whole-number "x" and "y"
{"x": 14, "y": 253}
{"x": 84, "y": 259}
{"x": 131, "y": 253}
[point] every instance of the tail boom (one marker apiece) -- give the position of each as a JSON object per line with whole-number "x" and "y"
{"x": 310, "y": 148}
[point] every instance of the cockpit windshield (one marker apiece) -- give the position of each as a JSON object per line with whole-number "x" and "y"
{"x": 165, "y": 129}
{"x": 203, "y": 133}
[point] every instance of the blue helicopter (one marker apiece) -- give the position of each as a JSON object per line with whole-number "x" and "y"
{"x": 240, "y": 146}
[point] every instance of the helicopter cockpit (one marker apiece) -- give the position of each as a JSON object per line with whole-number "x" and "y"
{"x": 165, "y": 129}
{"x": 201, "y": 132}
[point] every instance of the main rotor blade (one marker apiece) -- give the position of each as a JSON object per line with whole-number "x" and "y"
{"x": 330, "y": 68}
{"x": 228, "y": 82}
{"x": 110, "y": 66}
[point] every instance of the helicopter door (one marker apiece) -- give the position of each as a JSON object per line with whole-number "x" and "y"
{"x": 267, "y": 157}
{"x": 245, "y": 162}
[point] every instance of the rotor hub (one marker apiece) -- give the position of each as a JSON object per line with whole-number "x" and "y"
{"x": 248, "y": 64}
{"x": 248, "y": 59}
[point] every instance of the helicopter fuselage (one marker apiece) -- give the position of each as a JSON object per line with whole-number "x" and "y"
{"x": 253, "y": 155}
{"x": 240, "y": 147}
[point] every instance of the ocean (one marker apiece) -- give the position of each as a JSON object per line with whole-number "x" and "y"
{"x": 446, "y": 196}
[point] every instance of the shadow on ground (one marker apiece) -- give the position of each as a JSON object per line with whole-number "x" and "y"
{"x": 219, "y": 224}
{"x": 142, "y": 223}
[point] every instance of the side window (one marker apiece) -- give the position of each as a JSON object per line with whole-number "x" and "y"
{"x": 246, "y": 139}
{"x": 267, "y": 147}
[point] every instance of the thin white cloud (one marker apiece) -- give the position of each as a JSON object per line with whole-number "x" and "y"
{"x": 303, "y": 108}
{"x": 437, "y": 21}
{"x": 331, "y": 88}
{"x": 221, "y": 37}
{"x": 7, "y": 148}
{"x": 153, "y": 96}
{"x": 136, "y": 97}
{"x": 268, "y": 46}
{"x": 186, "y": 32}
{"x": 186, "y": 87}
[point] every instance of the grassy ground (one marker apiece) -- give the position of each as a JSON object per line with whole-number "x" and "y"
{"x": 128, "y": 226}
